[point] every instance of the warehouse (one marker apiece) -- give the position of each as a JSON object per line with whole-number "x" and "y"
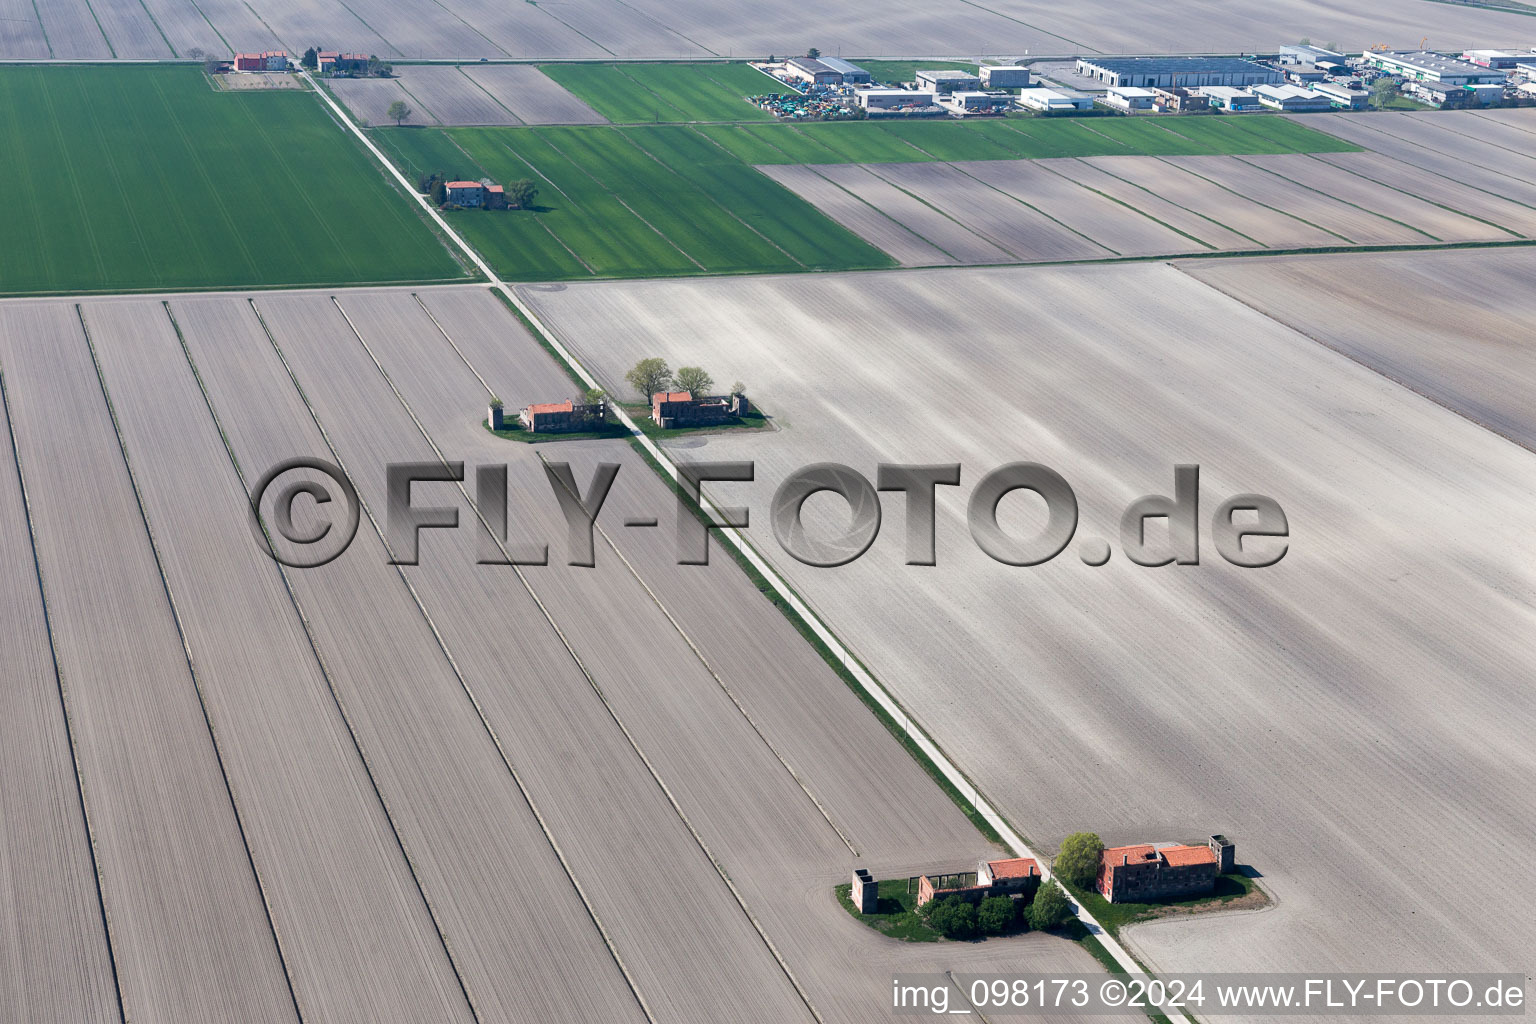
{"x": 1292, "y": 99}
{"x": 1306, "y": 53}
{"x": 1168, "y": 72}
{"x": 972, "y": 102}
{"x": 1129, "y": 98}
{"x": 1052, "y": 101}
{"x": 1004, "y": 76}
{"x": 852, "y": 73}
{"x": 1236, "y": 101}
{"x": 1424, "y": 66}
{"x": 892, "y": 100}
{"x": 1500, "y": 59}
{"x": 1342, "y": 96}
{"x": 943, "y": 80}
{"x": 809, "y": 69}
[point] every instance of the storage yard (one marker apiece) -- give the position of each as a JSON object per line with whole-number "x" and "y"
{"x": 1345, "y": 704}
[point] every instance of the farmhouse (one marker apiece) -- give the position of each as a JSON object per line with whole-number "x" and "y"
{"x": 1236, "y": 101}
{"x": 270, "y": 60}
{"x": 945, "y": 80}
{"x": 465, "y": 193}
{"x": 1015, "y": 875}
{"x": 1146, "y": 872}
{"x": 1004, "y": 76}
{"x": 560, "y": 417}
{"x": 1424, "y": 66}
{"x": 1291, "y": 98}
{"x": 1051, "y": 101}
{"x": 680, "y": 409}
{"x": 346, "y": 63}
{"x": 1170, "y": 72}
{"x": 813, "y": 71}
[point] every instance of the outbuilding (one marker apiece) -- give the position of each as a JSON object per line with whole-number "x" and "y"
{"x": 852, "y": 73}
{"x": 813, "y": 71}
{"x": 1342, "y": 97}
{"x": 1232, "y": 100}
{"x": 894, "y": 99}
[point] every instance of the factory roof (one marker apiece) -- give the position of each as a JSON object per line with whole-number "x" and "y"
{"x": 1157, "y": 65}
{"x": 843, "y": 66}
{"x": 944, "y": 74}
{"x": 1434, "y": 62}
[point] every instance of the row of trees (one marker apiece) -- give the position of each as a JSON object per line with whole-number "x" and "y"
{"x": 957, "y": 918}
{"x": 649, "y": 376}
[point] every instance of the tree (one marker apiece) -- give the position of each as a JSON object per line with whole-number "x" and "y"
{"x": 1305, "y": 41}
{"x": 693, "y": 379}
{"x": 995, "y": 915}
{"x": 311, "y": 59}
{"x": 813, "y": 53}
{"x": 196, "y": 53}
{"x": 595, "y": 396}
{"x": 650, "y": 376}
{"x": 1383, "y": 91}
{"x": 212, "y": 65}
{"x": 1078, "y": 861}
{"x": 399, "y": 110}
{"x": 521, "y": 194}
{"x": 1050, "y": 907}
{"x": 738, "y": 388}
{"x": 439, "y": 193}
{"x": 953, "y": 918}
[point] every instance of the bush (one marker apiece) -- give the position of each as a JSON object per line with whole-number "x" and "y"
{"x": 996, "y": 915}
{"x": 1078, "y": 861}
{"x": 1050, "y": 907}
{"x": 953, "y": 918}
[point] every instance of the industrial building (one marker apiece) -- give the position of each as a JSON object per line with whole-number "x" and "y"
{"x": 1292, "y": 99}
{"x": 1003, "y": 76}
{"x": 1172, "y": 72}
{"x": 1501, "y": 60}
{"x": 892, "y": 101}
{"x": 1342, "y": 97}
{"x": 852, "y": 73}
{"x": 1129, "y": 98}
{"x": 1305, "y": 74}
{"x": 1424, "y": 66}
{"x": 1235, "y": 101}
{"x": 1306, "y": 53}
{"x": 812, "y": 71}
{"x": 944, "y": 80}
{"x": 1450, "y": 97}
{"x": 1053, "y": 101}
{"x": 1147, "y": 872}
{"x": 968, "y": 102}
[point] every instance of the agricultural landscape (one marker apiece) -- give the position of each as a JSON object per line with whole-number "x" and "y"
{"x": 528, "y": 760}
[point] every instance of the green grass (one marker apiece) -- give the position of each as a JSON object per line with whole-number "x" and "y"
{"x": 1114, "y": 916}
{"x": 906, "y": 70}
{"x": 650, "y": 93}
{"x": 641, "y": 414}
{"x": 896, "y": 912}
{"x": 143, "y": 178}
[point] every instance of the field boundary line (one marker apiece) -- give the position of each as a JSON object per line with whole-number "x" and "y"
{"x": 1128, "y": 206}
{"x": 156, "y": 22}
{"x": 1273, "y": 209}
{"x": 1338, "y": 199}
{"x": 1023, "y": 202}
{"x": 1425, "y": 199}
{"x": 104, "y": 37}
{"x": 191, "y": 662}
{"x": 1186, "y": 209}
{"x": 325, "y": 671}
{"x": 872, "y": 685}
{"x": 453, "y": 664}
{"x": 490, "y": 95}
{"x": 69, "y": 726}
{"x": 1456, "y": 156}
{"x": 860, "y": 199}
{"x": 206, "y": 20}
{"x": 36, "y": 13}
{"x": 984, "y": 236}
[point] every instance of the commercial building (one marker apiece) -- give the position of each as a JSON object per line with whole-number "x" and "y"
{"x": 1424, "y": 66}
{"x": 1305, "y": 74}
{"x": 1179, "y": 100}
{"x": 1306, "y": 53}
{"x": 1172, "y": 72}
{"x": 1054, "y": 101}
{"x": 892, "y": 101}
{"x": 1453, "y": 97}
{"x": 1342, "y": 97}
{"x": 944, "y": 80}
{"x": 1292, "y": 99}
{"x": 1146, "y": 872}
{"x": 852, "y": 73}
{"x": 561, "y": 417}
{"x": 1501, "y": 59}
{"x": 978, "y": 102}
{"x": 812, "y": 71}
{"x": 680, "y": 409}
{"x": 1235, "y": 101}
{"x": 1129, "y": 98}
{"x": 1003, "y": 76}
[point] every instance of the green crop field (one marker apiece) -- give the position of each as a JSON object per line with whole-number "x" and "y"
{"x": 657, "y": 200}
{"x": 136, "y": 178}
{"x": 637, "y": 201}
{"x": 651, "y": 93}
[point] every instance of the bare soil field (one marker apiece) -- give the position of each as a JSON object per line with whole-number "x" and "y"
{"x": 1431, "y": 218}
{"x": 1010, "y": 224}
{"x": 369, "y": 98}
{"x": 21, "y": 31}
{"x": 1346, "y": 222}
{"x": 258, "y": 82}
{"x": 876, "y": 225}
{"x": 191, "y": 940}
{"x": 1516, "y": 217}
{"x": 936, "y": 228}
{"x": 1328, "y": 712}
{"x": 1467, "y": 138}
{"x": 1453, "y": 327}
{"x": 532, "y": 95}
{"x": 313, "y": 819}
{"x": 1124, "y": 230}
{"x": 1213, "y": 234}
{"x": 72, "y": 30}
{"x": 53, "y": 908}
{"x": 451, "y": 97}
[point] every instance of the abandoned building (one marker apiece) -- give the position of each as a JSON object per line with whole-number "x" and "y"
{"x": 1145, "y": 872}
{"x": 1014, "y": 876}
{"x": 864, "y": 892}
{"x": 561, "y": 417}
{"x": 680, "y": 409}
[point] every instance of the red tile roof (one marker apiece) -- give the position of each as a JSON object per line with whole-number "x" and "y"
{"x": 275, "y": 53}
{"x": 565, "y": 406}
{"x": 494, "y": 188}
{"x": 1014, "y": 867}
{"x": 329, "y": 53}
{"x": 1134, "y": 854}
{"x": 671, "y": 396}
{"x": 1185, "y": 856}
{"x": 463, "y": 184}
{"x": 1176, "y": 856}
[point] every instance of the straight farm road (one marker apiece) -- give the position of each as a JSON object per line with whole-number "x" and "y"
{"x": 53, "y": 904}
{"x": 190, "y": 934}
{"x": 477, "y": 846}
{"x": 368, "y": 951}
